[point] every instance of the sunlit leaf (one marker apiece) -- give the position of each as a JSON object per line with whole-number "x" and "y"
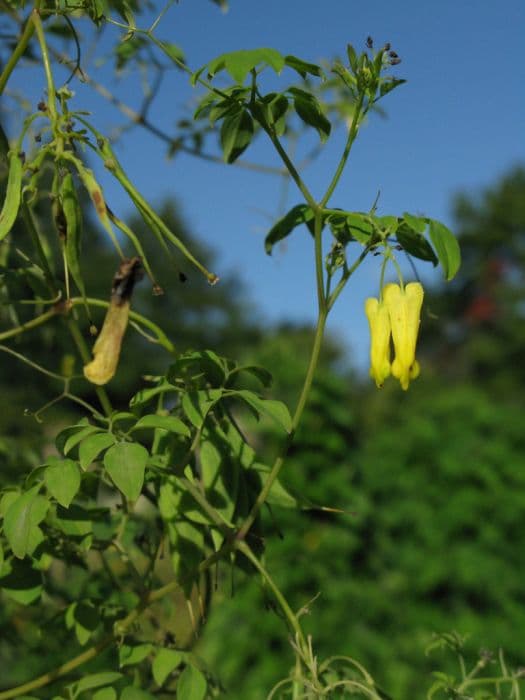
{"x": 125, "y": 463}
{"x": 21, "y": 522}
{"x": 191, "y": 684}
{"x": 164, "y": 664}
{"x": 62, "y": 478}
{"x": 446, "y": 247}
{"x": 300, "y": 214}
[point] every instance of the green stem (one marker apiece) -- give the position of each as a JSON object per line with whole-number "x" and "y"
{"x": 290, "y": 615}
{"x": 276, "y": 468}
{"x": 33, "y": 323}
{"x": 30, "y": 224}
{"x": 319, "y": 275}
{"x": 352, "y": 133}
{"x": 30, "y": 363}
{"x": 70, "y": 322}
{"x": 346, "y": 276}
{"x": 162, "y": 338}
{"x": 291, "y": 168}
{"x": 18, "y": 52}
{"x": 51, "y": 92}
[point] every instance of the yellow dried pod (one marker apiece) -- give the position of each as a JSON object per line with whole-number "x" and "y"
{"x": 106, "y": 350}
{"x": 107, "y": 346}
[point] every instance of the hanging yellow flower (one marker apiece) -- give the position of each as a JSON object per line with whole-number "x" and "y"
{"x": 404, "y": 309}
{"x": 379, "y": 322}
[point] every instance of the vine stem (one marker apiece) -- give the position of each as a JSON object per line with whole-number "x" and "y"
{"x": 352, "y": 133}
{"x": 28, "y": 32}
{"x": 244, "y": 548}
{"x": 291, "y": 168}
{"x": 33, "y": 323}
{"x": 162, "y": 338}
{"x": 276, "y": 468}
{"x": 37, "y": 22}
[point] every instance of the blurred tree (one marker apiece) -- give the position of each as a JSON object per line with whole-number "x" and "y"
{"x": 478, "y": 330}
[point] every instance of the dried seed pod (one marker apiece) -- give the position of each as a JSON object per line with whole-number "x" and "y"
{"x": 107, "y": 347}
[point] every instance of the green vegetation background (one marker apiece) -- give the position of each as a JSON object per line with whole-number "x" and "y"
{"x": 431, "y": 482}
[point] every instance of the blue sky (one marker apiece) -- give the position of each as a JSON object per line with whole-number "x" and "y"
{"x": 458, "y": 124}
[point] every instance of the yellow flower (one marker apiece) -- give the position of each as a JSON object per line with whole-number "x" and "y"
{"x": 404, "y": 309}
{"x": 106, "y": 350}
{"x": 379, "y": 321}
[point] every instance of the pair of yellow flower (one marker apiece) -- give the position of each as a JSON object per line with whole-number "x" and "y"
{"x": 395, "y": 315}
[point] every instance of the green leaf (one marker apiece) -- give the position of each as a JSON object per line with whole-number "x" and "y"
{"x": 174, "y": 52}
{"x": 164, "y": 664}
{"x": 347, "y": 226}
{"x": 169, "y": 498}
{"x": 260, "y": 373}
{"x": 277, "y": 108}
{"x": 78, "y": 436}
{"x": 62, "y": 478}
{"x": 131, "y": 655}
{"x": 83, "y": 616}
{"x": 187, "y": 540}
{"x": 204, "y": 367}
{"x": 105, "y": 694}
{"x": 303, "y": 67}
{"x": 1, "y": 558}
{"x": 387, "y": 223}
{"x": 360, "y": 227}
{"x": 95, "y": 680}
{"x": 191, "y": 684}
{"x": 64, "y": 435}
{"x": 352, "y": 58}
{"x": 11, "y": 204}
{"x": 125, "y": 51}
{"x": 75, "y": 521}
{"x": 219, "y": 473}
{"x": 8, "y": 498}
{"x": 276, "y": 410}
{"x": 145, "y": 395}
{"x": 197, "y": 404}
{"x": 418, "y": 223}
{"x": 415, "y": 243}
{"x": 386, "y": 85}
{"x": 21, "y": 522}
{"x": 21, "y": 582}
{"x": 446, "y": 247}
{"x": 300, "y": 214}
{"x": 309, "y": 110}
{"x": 125, "y": 463}
{"x": 92, "y": 446}
{"x": 278, "y": 495}
{"x": 133, "y": 693}
{"x": 236, "y": 135}
{"x": 169, "y": 423}
{"x": 239, "y": 63}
